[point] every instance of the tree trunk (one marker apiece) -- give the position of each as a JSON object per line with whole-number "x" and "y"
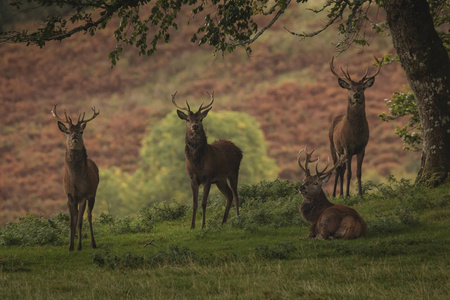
{"x": 427, "y": 67}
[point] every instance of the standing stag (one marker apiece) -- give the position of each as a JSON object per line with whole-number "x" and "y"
{"x": 349, "y": 133}
{"x": 329, "y": 221}
{"x": 81, "y": 175}
{"x": 206, "y": 164}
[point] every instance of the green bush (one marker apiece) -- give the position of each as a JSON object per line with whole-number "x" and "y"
{"x": 33, "y": 230}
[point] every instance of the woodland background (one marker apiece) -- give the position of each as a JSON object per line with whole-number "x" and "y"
{"x": 285, "y": 84}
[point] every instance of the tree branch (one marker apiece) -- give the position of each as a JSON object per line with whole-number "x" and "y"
{"x": 275, "y": 18}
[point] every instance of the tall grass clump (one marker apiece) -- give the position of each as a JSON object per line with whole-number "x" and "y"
{"x": 34, "y": 230}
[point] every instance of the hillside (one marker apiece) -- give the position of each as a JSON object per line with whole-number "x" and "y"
{"x": 286, "y": 84}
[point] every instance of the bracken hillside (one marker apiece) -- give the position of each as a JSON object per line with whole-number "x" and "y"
{"x": 285, "y": 84}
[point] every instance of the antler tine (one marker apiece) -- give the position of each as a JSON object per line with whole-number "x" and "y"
{"x": 68, "y": 120}
{"x": 320, "y": 173}
{"x": 96, "y": 113}
{"x": 307, "y": 161}
{"x": 82, "y": 119}
{"x": 210, "y": 104}
{"x": 177, "y": 106}
{"x": 300, "y": 164}
{"x": 346, "y": 74}
{"x": 380, "y": 63}
{"x": 332, "y": 68}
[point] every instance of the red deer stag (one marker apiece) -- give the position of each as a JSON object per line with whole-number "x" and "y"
{"x": 329, "y": 221}
{"x": 206, "y": 164}
{"x": 349, "y": 133}
{"x": 81, "y": 175}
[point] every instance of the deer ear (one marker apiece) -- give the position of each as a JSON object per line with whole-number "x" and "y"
{"x": 205, "y": 113}
{"x": 83, "y": 126}
{"x": 326, "y": 178}
{"x": 343, "y": 84}
{"x": 369, "y": 83}
{"x": 181, "y": 115}
{"x": 63, "y": 127}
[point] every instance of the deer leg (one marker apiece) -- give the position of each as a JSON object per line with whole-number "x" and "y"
{"x": 73, "y": 212}
{"x": 194, "y": 187}
{"x": 89, "y": 215}
{"x": 360, "y": 158}
{"x": 341, "y": 177}
{"x": 227, "y": 192}
{"x": 233, "y": 185}
{"x": 349, "y": 174}
{"x": 206, "y": 188}
{"x": 80, "y": 222}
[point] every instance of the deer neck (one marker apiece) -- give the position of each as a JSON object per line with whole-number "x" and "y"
{"x": 76, "y": 161}
{"x": 313, "y": 205}
{"x": 196, "y": 143}
{"x": 356, "y": 112}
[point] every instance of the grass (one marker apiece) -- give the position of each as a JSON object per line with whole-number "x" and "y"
{"x": 156, "y": 256}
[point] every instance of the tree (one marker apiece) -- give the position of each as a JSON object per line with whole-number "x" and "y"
{"x": 229, "y": 24}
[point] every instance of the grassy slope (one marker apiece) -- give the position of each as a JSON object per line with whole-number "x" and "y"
{"x": 404, "y": 256}
{"x": 285, "y": 84}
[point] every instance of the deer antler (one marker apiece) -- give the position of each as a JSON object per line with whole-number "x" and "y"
{"x": 96, "y": 113}
{"x": 177, "y": 106}
{"x": 379, "y": 62}
{"x": 341, "y": 159}
{"x": 307, "y": 160}
{"x": 347, "y": 75}
{"x": 68, "y": 120}
{"x": 210, "y": 104}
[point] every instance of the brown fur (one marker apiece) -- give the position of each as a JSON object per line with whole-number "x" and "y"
{"x": 217, "y": 163}
{"x": 81, "y": 178}
{"x": 349, "y": 133}
{"x": 329, "y": 221}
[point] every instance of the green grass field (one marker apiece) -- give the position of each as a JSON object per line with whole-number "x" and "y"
{"x": 259, "y": 255}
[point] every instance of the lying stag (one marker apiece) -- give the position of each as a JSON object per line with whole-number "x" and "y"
{"x": 349, "y": 133}
{"x": 206, "y": 164}
{"x": 329, "y": 221}
{"x": 81, "y": 175}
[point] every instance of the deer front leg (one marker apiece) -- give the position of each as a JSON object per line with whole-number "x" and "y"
{"x": 194, "y": 187}
{"x": 360, "y": 158}
{"x": 206, "y": 188}
{"x": 73, "y": 213}
{"x": 89, "y": 215}
{"x": 80, "y": 222}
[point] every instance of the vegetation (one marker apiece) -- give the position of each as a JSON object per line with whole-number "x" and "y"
{"x": 261, "y": 254}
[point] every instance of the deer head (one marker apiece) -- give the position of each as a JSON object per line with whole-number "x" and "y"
{"x": 312, "y": 184}
{"x": 356, "y": 88}
{"x": 74, "y": 132}
{"x": 193, "y": 120}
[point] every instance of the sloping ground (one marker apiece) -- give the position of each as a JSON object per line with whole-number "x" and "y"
{"x": 285, "y": 84}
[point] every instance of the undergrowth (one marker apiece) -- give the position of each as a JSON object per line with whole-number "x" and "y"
{"x": 388, "y": 209}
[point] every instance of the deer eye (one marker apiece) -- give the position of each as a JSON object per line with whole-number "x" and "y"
{"x": 315, "y": 183}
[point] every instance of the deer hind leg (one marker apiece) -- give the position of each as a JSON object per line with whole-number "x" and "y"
{"x": 73, "y": 212}
{"x": 227, "y": 192}
{"x": 194, "y": 187}
{"x": 89, "y": 215}
{"x": 233, "y": 184}
{"x": 349, "y": 174}
{"x": 80, "y": 222}
{"x": 206, "y": 188}
{"x": 360, "y": 158}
